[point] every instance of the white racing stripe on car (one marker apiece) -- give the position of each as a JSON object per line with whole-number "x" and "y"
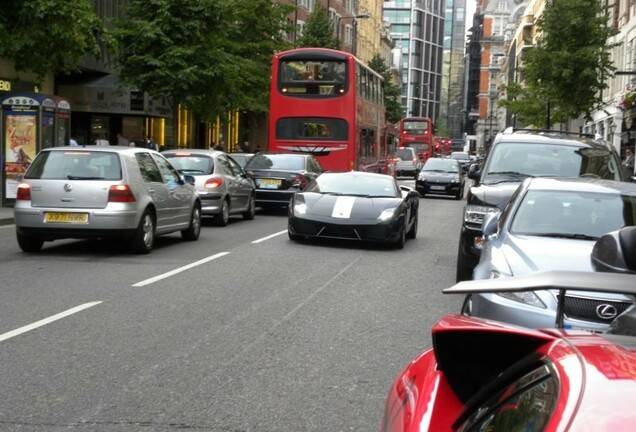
{"x": 48, "y": 320}
{"x": 179, "y": 270}
{"x": 342, "y": 208}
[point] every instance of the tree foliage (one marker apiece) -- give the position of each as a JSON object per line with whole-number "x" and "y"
{"x": 392, "y": 92}
{"x": 43, "y": 36}
{"x": 211, "y": 56}
{"x": 318, "y": 30}
{"x": 564, "y": 74}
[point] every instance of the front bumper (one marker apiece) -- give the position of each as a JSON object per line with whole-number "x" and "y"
{"x": 356, "y": 230}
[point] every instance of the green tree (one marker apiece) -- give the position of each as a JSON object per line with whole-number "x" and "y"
{"x": 211, "y": 56}
{"x": 43, "y": 36}
{"x": 565, "y": 72}
{"x": 392, "y": 92}
{"x": 318, "y": 30}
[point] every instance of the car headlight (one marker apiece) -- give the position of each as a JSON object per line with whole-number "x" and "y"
{"x": 474, "y": 214}
{"x": 300, "y": 208}
{"x": 527, "y": 297}
{"x": 421, "y": 177}
{"x": 387, "y": 214}
{"x": 455, "y": 180}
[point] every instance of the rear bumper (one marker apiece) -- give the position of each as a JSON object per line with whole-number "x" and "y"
{"x": 273, "y": 197}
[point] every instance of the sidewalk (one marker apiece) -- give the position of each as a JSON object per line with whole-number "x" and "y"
{"x": 6, "y": 215}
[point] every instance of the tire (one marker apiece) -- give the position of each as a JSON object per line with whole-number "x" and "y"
{"x": 222, "y": 218}
{"x": 464, "y": 270}
{"x": 193, "y": 232}
{"x": 399, "y": 244}
{"x": 413, "y": 231}
{"x": 144, "y": 238}
{"x": 28, "y": 243}
{"x": 251, "y": 209}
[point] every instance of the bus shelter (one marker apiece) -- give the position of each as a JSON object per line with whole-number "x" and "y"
{"x": 30, "y": 122}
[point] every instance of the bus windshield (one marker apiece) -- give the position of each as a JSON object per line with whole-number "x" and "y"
{"x": 324, "y": 77}
{"x": 415, "y": 127}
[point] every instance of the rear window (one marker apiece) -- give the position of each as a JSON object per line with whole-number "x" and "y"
{"x": 276, "y": 161}
{"x": 405, "y": 154}
{"x": 191, "y": 164}
{"x": 75, "y": 165}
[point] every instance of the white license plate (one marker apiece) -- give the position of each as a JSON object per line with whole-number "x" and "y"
{"x": 438, "y": 187}
{"x": 269, "y": 183}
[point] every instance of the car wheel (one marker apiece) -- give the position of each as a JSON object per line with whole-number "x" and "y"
{"x": 28, "y": 243}
{"x": 413, "y": 231}
{"x": 193, "y": 232}
{"x": 399, "y": 244}
{"x": 467, "y": 305}
{"x": 222, "y": 218}
{"x": 251, "y": 209}
{"x": 464, "y": 269}
{"x": 144, "y": 239}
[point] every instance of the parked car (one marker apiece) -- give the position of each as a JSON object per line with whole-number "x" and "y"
{"x": 441, "y": 177}
{"x": 407, "y": 162}
{"x": 356, "y": 206}
{"x": 464, "y": 159}
{"x": 515, "y": 155}
{"x": 128, "y": 193}
{"x": 552, "y": 224}
{"x": 482, "y": 375}
{"x": 223, "y": 186}
{"x": 241, "y": 158}
{"x": 278, "y": 176}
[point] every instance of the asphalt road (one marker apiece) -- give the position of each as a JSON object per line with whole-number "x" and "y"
{"x": 243, "y": 330}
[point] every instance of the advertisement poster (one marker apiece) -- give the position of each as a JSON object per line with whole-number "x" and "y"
{"x": 20, "y": 148}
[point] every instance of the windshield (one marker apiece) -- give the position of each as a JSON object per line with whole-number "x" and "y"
{"x": 443, "y": 165}
{"x": 191, "y": 164}
{"x": 585, "y": 215}
{"x": 354, "y": 184}
{"x": 323, "y": 77}
{"x": 460, "y": 156}
{"x": 405, "y": 154}
{"x": 537, "y": 160}
{"x": 75, "y": 165}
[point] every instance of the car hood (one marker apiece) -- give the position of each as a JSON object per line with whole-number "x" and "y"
{"x": 525, "y": 254}
{"x": 493, "y": 195}
{"x": 346, "y": 206}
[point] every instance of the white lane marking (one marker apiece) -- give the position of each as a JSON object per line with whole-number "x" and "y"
{"x": 48, "y": 320}
{"x": 268, "y": 237}
{"x": 343, "y": 206}
{"x": 179, "y": 270}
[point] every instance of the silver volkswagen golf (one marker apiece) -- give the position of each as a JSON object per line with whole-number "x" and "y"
{"x": 126, "y": 193}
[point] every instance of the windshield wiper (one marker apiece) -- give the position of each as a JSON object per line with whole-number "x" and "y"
{"x": 567, "y": 235}
{"x": 510, "y": 173}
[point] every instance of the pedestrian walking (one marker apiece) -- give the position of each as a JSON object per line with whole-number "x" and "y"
{"x": 628, "y": 163}
{"x": 72, "y": 142}
{"x": 122, "y": 140}
{"x": 101, "y": 141}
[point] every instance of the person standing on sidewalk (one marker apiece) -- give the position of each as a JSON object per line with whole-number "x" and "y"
{"x": 628, "y": 163}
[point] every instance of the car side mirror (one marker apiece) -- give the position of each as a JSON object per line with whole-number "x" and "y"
{"x": 489, "y": 225}
{"x": 189, "y": 179}
{"x": 474, "y": 172}
{"x": 615, "y": 252}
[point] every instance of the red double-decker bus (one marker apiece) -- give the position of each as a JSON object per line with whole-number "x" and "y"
{"x": 328, "y": 103}
{"x": 417, "y": 132}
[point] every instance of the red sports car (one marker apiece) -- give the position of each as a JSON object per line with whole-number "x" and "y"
{"x": 484, "y": 375}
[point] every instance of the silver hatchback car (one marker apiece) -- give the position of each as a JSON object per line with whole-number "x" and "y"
{"x": 127, "y": 193}
{"x": 222, "y": 184}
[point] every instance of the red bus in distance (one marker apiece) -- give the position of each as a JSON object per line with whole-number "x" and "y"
{"x": 417, "y": 132}
{"x": 328, "y": 103}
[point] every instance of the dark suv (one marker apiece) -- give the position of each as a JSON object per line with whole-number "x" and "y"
{"x": 515, "y": 155}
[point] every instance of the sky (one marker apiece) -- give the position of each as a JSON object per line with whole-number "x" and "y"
{"x": 470, "y": 11}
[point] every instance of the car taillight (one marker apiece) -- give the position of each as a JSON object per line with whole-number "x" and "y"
{"x": 213, "y": 183}
{"x": 24, "y": 192}
{"x": 300, "y": 182}
{"x": 120, "y": 193}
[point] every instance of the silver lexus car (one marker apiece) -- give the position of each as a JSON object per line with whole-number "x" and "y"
{"x": 128, "y": 193}
{"x": 552, "y": 224}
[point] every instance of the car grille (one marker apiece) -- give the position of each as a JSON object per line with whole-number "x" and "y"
{"x": 585, "y": 309}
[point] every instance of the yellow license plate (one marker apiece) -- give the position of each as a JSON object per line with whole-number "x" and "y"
{"x": 74, "y": 218}
{"x": 269, "y": 183}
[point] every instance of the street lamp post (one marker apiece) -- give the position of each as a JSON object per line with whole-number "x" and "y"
{"x": 354, "y": 17}
{"x": 493, "y": 95}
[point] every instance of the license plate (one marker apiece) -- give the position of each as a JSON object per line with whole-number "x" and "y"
{"x": 269, "y": 183}
{"x": 438, "y": 187}
{"x": 72, "y": 218}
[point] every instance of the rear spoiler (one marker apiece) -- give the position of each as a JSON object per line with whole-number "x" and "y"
{"x": 552, "y": 280}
